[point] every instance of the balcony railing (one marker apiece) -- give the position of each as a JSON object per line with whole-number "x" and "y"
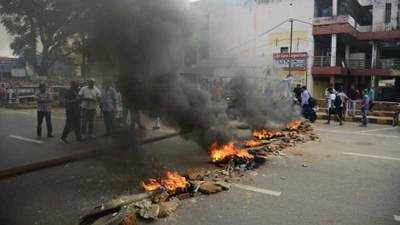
{"x": 362, "y": 63}
{"x": 388, "y": 64}
{"x": 322, "y": 61}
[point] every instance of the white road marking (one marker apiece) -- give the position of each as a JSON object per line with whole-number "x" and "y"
{"x": 371, "y": 156}
{"x": 396, "y": 218}
{"x": 26, "y": 139}
{"x": 259, "y": 190}
{"x": 33, "y": 114}
{"x": 357, "y": 133}
{"x": 382, "y": 129}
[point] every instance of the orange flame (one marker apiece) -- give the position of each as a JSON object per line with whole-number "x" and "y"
{"x": 219, "y": 153}
{"x": 252, "y": 143}
{"x": 294, "y": 125}
{"x": 265, "y": 134}
{"x": 150, "y": 185}
{"x": 172, "y": 182}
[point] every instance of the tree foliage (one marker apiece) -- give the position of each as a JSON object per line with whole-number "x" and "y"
{"x": 42, "y": 29}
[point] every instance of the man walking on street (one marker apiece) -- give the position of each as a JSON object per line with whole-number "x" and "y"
{"x": 371, "y": 96}
{"x": 73, "y": 114}
{"x": 90, "y": 97}
{"x": 364, "y": 109}
{"x": 298, "y": 91}
{"x": 340, "y": 100}
{"x": 352, "y": 97}
{"x": 330, "y": 104}
{"x": 304, "y": 97}
{"x": 307, "y": 105}
{"x": 109, "y": 100}
{"x": 44, "y": 110}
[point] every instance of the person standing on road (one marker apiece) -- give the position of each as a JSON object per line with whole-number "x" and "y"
{"x": 351, "y": 104}
{"x": 90, "y": 96}
{"x": 340, "y": 102}
{"x": 371, "y": 95}
{"x": 305, "y": 97}
{"x": 364, "y": 108}
{"x": 330, "y": 104}
{"x": 73, "y": 114}
{"x": 307, "y": 105}
{"x": 44, "y": 110}
{"x": 297, "y": 92}
{"x": 109, "y": 100}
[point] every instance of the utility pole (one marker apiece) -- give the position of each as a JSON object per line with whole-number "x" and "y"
{"x": 291, "y": 46}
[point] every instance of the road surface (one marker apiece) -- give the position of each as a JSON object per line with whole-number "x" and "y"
{"x": 350, "y": 177}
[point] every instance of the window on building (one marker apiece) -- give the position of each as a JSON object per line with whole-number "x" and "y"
{"x": 388, "y": 12}
{"x": 284, "y": 49}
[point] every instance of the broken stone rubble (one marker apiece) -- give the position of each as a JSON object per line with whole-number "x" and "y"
{"x": 211, "y": 181}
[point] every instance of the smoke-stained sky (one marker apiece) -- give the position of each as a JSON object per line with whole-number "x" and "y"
{"x": 5, "y": 41}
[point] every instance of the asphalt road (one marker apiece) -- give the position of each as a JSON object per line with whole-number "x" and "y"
{"x": 350, "y": 177}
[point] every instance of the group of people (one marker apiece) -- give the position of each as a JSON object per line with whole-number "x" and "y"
{"x": 338, "y": 103}
{"x": 81, "y": 105}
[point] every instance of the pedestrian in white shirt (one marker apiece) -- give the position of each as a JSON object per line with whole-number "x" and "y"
{"x": 339, "y": 104}
{"x": 90, "y": 96}
{"x": 305, "y": 97}
{"x": 330, "y": 104}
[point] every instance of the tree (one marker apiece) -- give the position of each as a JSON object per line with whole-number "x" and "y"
{"x": 41, "y": 30}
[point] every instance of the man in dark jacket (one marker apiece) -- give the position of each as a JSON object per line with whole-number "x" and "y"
{"x": 72, "y": 108}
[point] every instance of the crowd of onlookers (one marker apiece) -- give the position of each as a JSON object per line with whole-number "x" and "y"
{"x": 83, "y": 100}
{"x": 81, "y": 105}
{"x": 340, "y": 104}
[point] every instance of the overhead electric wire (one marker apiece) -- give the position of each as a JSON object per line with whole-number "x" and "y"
{"x": 253, "y": 39}
{"x": 304, "y": 22}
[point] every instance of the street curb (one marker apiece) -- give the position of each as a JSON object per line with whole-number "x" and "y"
{"x": 35, "y": 166}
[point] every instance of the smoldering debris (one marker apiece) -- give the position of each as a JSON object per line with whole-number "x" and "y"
{"x": 164, "y": 195}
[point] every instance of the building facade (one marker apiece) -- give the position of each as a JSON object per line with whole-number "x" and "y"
{"x": 254, "y": 36}
{"x": 357, "y": 43}
{"x": 334, "y": 43}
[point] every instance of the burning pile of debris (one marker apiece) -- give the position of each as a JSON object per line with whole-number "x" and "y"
{"x": 250, "y": 154}
{"x": 162, "y": 196}
{"x": 160, "y": 199}
{"x": 273, "y": 141}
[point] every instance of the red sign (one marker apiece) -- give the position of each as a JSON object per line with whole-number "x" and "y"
{"x": 295, "y": 55}
{"x": 299, "y": 60}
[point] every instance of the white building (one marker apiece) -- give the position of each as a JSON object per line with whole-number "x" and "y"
{"x": 344, "y": 42}
{"x": 251, "y": 35}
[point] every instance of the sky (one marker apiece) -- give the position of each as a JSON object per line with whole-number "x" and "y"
{"x": 5, "y": 41}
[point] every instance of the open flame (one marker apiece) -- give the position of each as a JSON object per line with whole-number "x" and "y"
{"x": 252, "y": 143}
{"x": 220, "y": 153}
{"x": 150, "y": 185}
{"x": 172, "y": 182}
{"x": 266, "y": 134}
{"x": 294, "y": 125}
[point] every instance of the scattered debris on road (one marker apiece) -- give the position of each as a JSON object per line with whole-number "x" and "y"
{"x": 163, "y": 196}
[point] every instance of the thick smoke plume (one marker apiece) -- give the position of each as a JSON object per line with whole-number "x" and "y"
{"x": 260, "y": 109}
{"x": 144, "y": 42}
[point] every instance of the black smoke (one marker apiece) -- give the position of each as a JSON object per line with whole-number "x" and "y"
{"x": 144, "y": 42}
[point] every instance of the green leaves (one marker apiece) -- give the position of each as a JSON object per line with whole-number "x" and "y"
{"x": 40, "y": 29}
